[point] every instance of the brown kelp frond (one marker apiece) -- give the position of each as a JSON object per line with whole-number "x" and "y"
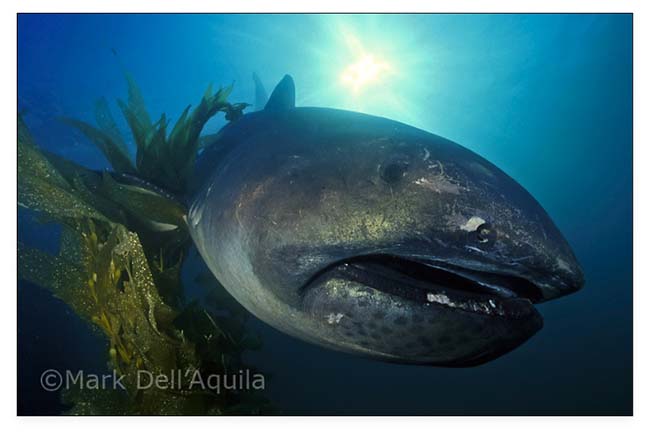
{"x": 168, "y": 159}
{"x": 136, "y": 101}
{"x": 101, "y": 272}
{"x": 122, "y": 249}
{"x": 116, "y": 156}
{"x": 42, "y": 188}
{"x": 163, "y": 159}
{"x": 31, "y": 161}
{"x": 107, "y": 124}
{"x": 66, "y": 192}
{"x": 152, "y": 208}
{"x": 183, "y": 141}
{"x": 36, "y": 266}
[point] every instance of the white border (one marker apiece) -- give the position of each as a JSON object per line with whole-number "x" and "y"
{"x": 332, "y": 425}
{"x": 298, "y": 6}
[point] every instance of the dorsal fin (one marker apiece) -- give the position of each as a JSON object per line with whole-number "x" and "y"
{"x": 283, "y": 96}
{"x": 260, "y": 93}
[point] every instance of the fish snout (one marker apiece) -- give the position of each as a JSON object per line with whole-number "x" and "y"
{"x": 566, "y": 277}
{"x": 569, "y": 278}
{"x": 573, "y": 278}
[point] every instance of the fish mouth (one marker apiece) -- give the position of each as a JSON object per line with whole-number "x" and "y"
{"x": 432, "y": 282}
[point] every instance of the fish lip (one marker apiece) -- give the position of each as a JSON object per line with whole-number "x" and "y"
{"x": 503, "y": 283}
{"x": 434, "y": 282}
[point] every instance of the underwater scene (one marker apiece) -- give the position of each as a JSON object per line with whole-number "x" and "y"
{"x": 305, "y": 214}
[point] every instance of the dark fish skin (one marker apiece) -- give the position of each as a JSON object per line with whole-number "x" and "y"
{"x": 368, "y": 236}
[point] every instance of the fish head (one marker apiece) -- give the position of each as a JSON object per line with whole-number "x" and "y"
{"x": 390, "y": 242}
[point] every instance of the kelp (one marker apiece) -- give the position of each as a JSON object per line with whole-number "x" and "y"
{"x": 163, "y": 159}
{"x": 146, "y": 191}
{"x": 42, "y": 187}
{"x": 155, "y": 209}
{"x": 115, "y": 153}
{"x": 102, "y": 273}
{"x": 123, "y": 244}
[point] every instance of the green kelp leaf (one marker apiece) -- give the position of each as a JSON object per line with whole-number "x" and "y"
{"x": 86, "y": 184}
{"x": 159, "y": 212}
{"x": 42, "y": 188}
{"x": 138, "y": 130}
{"x": 32, "y": 163}
{"x": 126, "y": 284}
{"x": 70, "y": 170}
{"x": 107, "y": 124}
{"x": 152, "y": 161}
{"x": 36, "y": 266}
{"x": 138, "y": 305}
{"x": 125, "y": 251}
{"x": 114, "y": 153}
{"x": 67, "y": 280}
{"x": 161, "y": 168}
{"x": 168, "y": 160}
{"x": 183, "y": 142}
{"x": 221, "y": 96}
{"x": 73, "y": 279}
{"x": 103, "y": 275}
{"x": 180, "y": 132}
{"x": 89, "y": 190}
{"x": 136, "y": 102}
{"x": 142, "y": 129}
{"x": 39, "y": 195}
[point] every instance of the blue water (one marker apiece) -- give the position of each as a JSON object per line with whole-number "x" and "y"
{"x": 547, "y": 98}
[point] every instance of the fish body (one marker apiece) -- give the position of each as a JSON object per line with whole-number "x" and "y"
{"x": 369, "y": 236}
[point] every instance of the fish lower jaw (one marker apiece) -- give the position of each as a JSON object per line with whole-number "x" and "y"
{"x": 430, "y": 285}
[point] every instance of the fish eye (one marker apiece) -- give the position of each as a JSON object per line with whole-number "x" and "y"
{"x": 395, "y": 170}
{"x": 485, "y": 233}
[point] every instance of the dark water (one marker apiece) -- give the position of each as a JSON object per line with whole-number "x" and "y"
{"x": 548, "y": 98}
